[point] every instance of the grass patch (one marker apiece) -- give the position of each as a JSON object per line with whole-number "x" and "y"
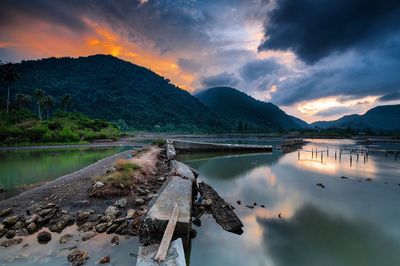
{"x": 159, "y": 142}
{"x": 126, "y": 166}
{"x": 123, "y": 174}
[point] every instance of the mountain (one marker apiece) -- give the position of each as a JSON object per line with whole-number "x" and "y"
{"x": 106, "y": 87}
{"x": 386, "y": 117}
{"x": 246, "y": 113}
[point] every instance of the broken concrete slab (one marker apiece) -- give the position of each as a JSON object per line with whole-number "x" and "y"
{"x": 175, "y": 255}
{"x": 196, "y": 146}
{"x": 170, "y": 151}
{"x": 182, "y": 170}
{"x": 177, "y": 190}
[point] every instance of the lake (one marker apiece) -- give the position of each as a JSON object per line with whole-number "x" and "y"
{"x": 351, "y": 221}
{"x": 20, "y": 169}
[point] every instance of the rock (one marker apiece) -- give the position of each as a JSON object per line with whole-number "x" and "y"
{"x": 105, "y": 259}
{"x": 139, "y": 201}
{"x": 197, "y": 222}
{"x": 88, "y": 235}
{"x": 238, "y": 202}
{"x": 262, "y": 206}
{"x": 78, "y": 257}
{"x": 86, "y": 227}
{"x": 161, "y": 178}
{"x": 121, "y": 203}
{"x": 98, "y": 184}
{"x": 82, "y": 216}
{"x": 122, "y": 228}
{"x": 45, "y": 212}
{"x": 9, "y": 242}
{"x": 368, "y": 179}
{"x": 2, "y": 228}
{"x": 321, "y": 185}
{"x": 192, "y": 233}
{"x": 65, "y": 220}
{"x": 130, "y": 214}
{"x": 207, "y": 202}
{"x": 32, "y": 228}
{"x": 112, "y": 211}
{"x": 101, "y": 228}
{"x": 65, "y": 238}
{"x": 250, "y": 206}
{"x": 255, "y": 203}
{"x": 2, "y": 190}
{"x": 22, "y": 232}
{"x": 33, "y": 218}
{"x": 10, "y": 234}
{"x": 6, "y": 212}
{"x": 43, "y": 237}
{"x": 10, "y": 221}
{"x": 112, "y": 228}
{"x": 115, "y": 240}
{"x": 18, "y": 225}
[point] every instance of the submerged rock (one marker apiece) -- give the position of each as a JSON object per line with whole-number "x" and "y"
{"x": 78, "y": 257}
{"x": 65, "y": 220}
{"x": 44, "y": 237}
{"x": 105, "y": 259}
{"x": 10, "y": 242}
{"x": 115, "y": 240}
{"x": 82, "y": 216}
{"x": 321, "y": 185}
{"x": 197, "y": 222}
{"x": 10, "y": 234}
{"x": 65, "y": 238}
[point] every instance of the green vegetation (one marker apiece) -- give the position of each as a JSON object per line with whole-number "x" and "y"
{"x": 246, "y": 114}
{"x": 106, "y": 87}
{"x": 24, "y": 127}
{"x": 159, "y": 142}
{"x": 123, "y": 174}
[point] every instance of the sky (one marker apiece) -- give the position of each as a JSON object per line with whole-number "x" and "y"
{"x": 316, "y": 59}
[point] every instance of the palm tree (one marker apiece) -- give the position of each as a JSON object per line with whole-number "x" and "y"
{"x": 47, "y": 103}
{"x": 66, "y": 101}
{"x": 23, "y": 100}
{"x": 39, "y": 94}
{"x": 8, "y": 76}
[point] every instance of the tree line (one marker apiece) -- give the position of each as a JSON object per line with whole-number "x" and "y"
{"x": 22, "y": 101}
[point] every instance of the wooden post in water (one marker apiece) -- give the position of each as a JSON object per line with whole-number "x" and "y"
{"x": 312, "y": 153}
{"x": 364, "y": 158}
{"x": 357, "y": 157}
{"x": 327, "y": 152}
{"x": 335, "y": 155}
{"x": 340, "y": 155}
{"x": 322, "y": 158}
{"x": 351, "y": 160}
{"x": 298, "y": 154}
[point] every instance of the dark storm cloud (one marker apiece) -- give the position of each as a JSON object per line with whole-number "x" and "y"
{"x": 353, "y": 75}
{"x": 315, "y": 29}
{"x": 390, "y": 97}
{"x": 221, "y": 79}
{"x": 258, "y": 68}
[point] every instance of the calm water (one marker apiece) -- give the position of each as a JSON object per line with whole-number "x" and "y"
{"x": 22, "y": 168}
{"x": 349, "y": 222}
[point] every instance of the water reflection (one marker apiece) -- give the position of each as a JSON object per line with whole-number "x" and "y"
{"x": 335, "y": 225}
{"x": 313, "y": 237}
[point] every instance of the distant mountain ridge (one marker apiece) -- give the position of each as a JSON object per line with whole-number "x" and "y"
{"x": 103, "y": 86}
{"x": 385, "y": 117}
{"x": 246, "y": 113}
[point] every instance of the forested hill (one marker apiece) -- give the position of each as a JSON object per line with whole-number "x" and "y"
{"x": 103, "y": 86}
{"x": 385, "y": 117}
{"x": 247, "y": 113}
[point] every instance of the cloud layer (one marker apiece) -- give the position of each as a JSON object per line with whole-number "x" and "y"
{"x": 344, "y": 54}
